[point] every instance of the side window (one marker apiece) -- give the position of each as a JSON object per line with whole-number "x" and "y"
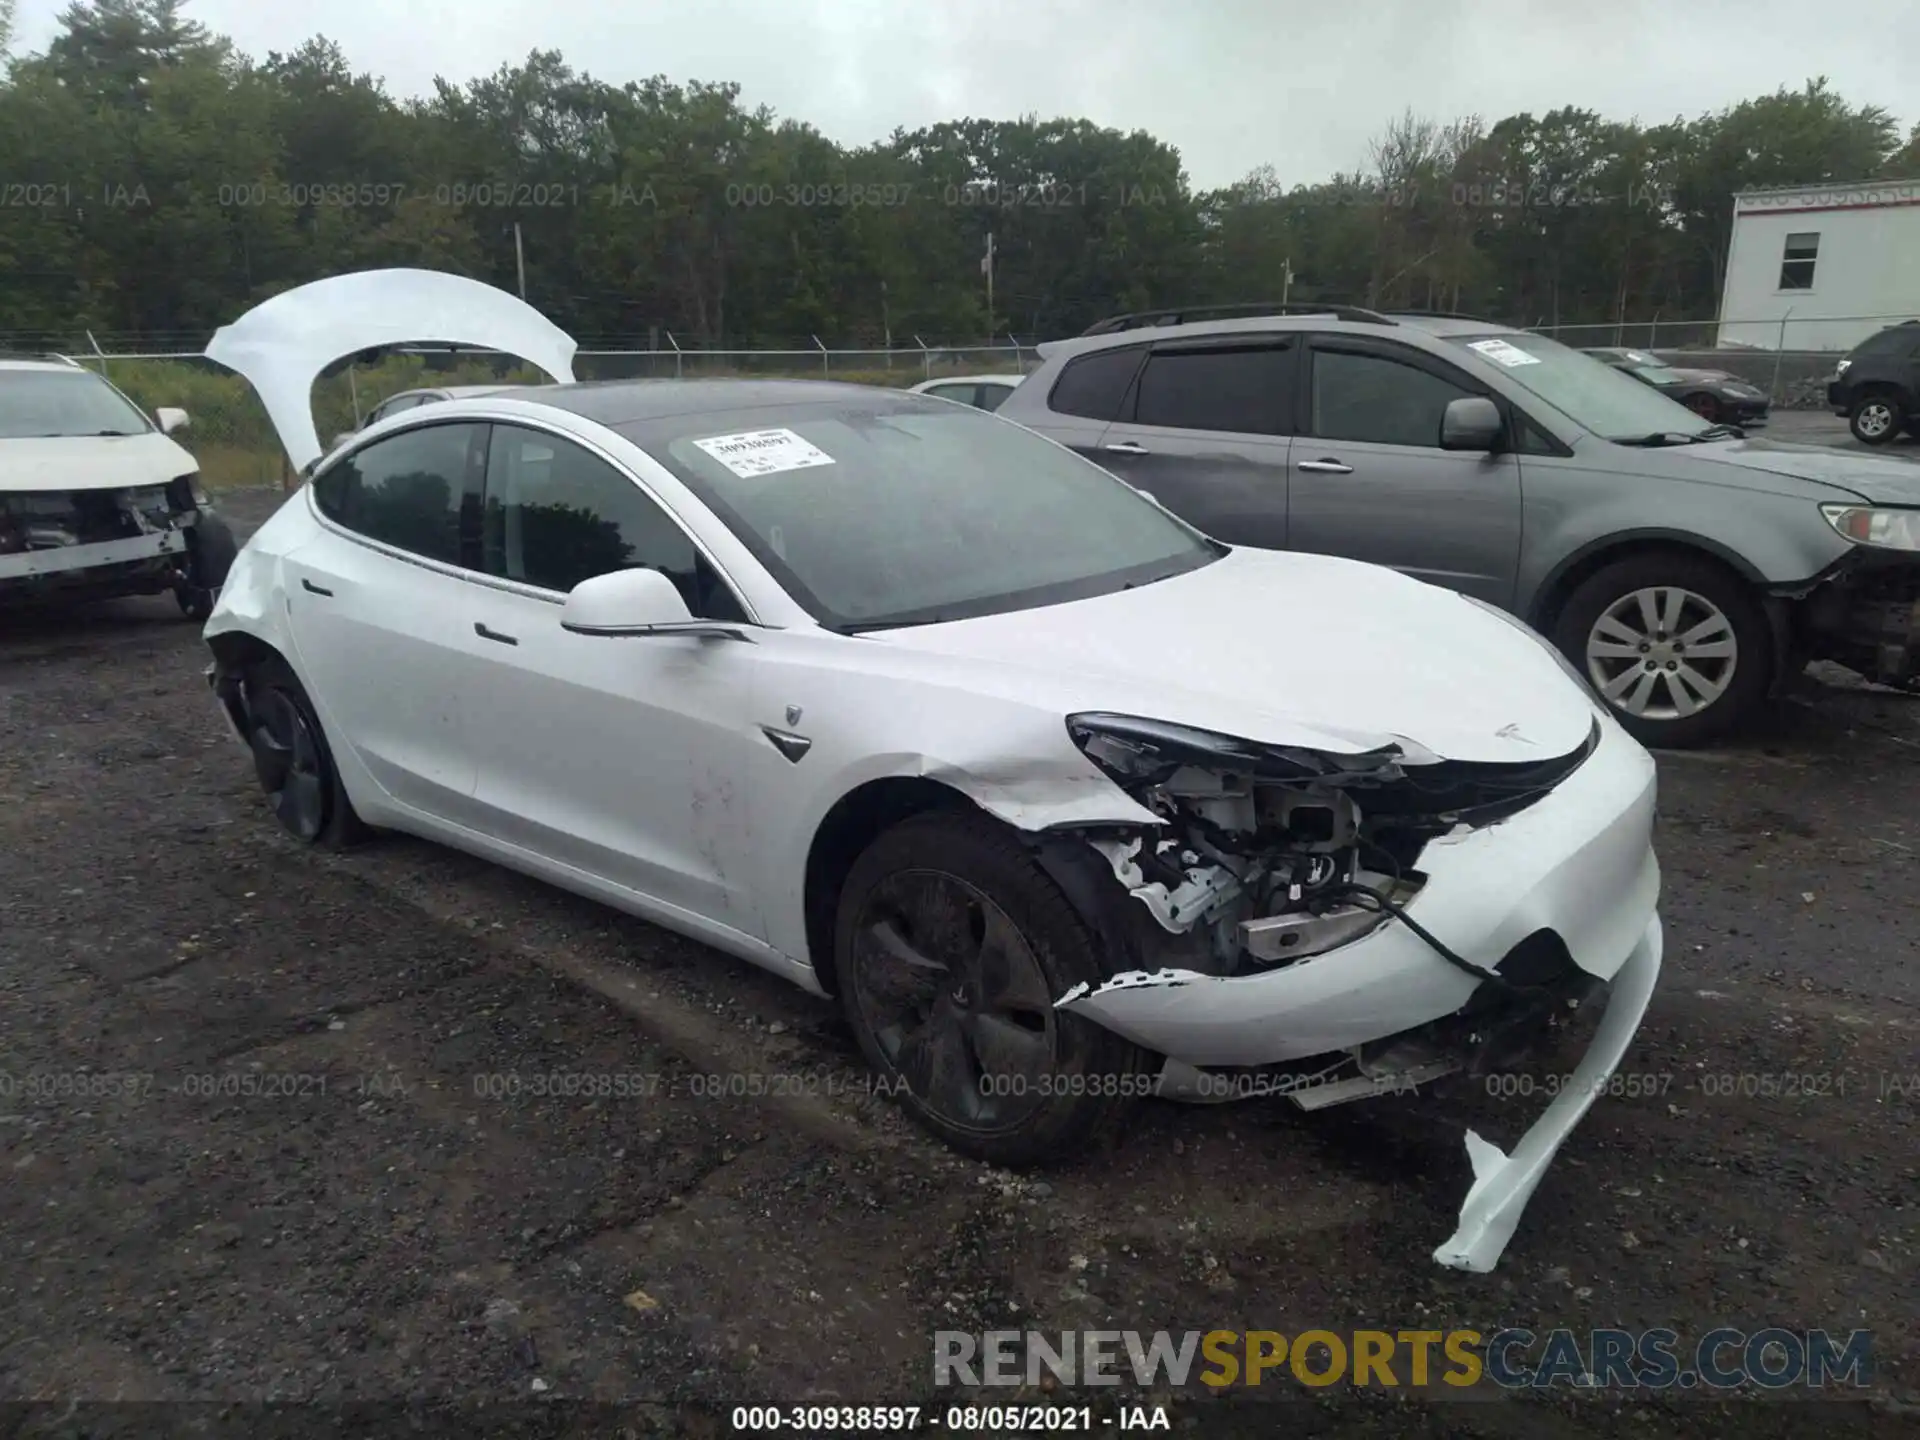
{"x": 1797, "y": 258}
{"x": 962, "y": 393}
{"x": 407, "y": 491}
{"x": 1093, "y": 386}
{"x": 1245, "y": 391}
{"x": 992, "y": 397}
{"x": 1373, "y": 398}
{"x": 556, "y": 515}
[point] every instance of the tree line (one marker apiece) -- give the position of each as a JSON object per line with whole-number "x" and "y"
{"x": 154, "y": 182}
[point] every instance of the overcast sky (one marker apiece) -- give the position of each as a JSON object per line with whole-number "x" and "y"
{"x": 1298, "y": 84}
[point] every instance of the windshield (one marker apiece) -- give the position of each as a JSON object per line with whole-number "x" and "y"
{"x": 42, "y": 404}
{"x": 903, "y": 511}
{"x": 1589, "y": 391}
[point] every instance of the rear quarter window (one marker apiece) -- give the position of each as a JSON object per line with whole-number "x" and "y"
{"x": 1092, "y": 386}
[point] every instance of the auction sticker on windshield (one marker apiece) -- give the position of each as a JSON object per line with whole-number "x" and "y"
{"x": 764, "y": 452}
{"x": 1503, "y": 353}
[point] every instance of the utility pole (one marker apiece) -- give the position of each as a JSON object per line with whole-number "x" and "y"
{"x": 986, "y": 269}
{"x": 1286, "y": 282}
{"x": 519, "y": 260}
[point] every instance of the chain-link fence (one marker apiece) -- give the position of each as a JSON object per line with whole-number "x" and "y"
{"x": 234, "y": 441}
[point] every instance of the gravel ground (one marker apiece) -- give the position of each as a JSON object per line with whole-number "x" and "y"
{"x": 324, "y": 1176}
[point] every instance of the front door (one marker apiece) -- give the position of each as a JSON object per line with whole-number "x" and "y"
{"x": 623, "y": 757}
{"x": 1369, "y": 480}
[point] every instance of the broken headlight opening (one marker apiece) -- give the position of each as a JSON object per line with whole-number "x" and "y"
{"x": 1267, "y": 855}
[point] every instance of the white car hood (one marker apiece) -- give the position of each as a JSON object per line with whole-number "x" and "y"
{"x": 92, "y": 462}
{"x": 1290, "y": 649}
{"x": 282, "y": 344}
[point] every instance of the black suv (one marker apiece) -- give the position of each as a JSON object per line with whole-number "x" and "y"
{"x": 1877, "y": 387}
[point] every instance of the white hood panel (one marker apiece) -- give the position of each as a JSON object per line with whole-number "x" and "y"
{"x": 1290, "y": 649}
{"x": 282, "y": 344}
{"x": 92, "y": 462}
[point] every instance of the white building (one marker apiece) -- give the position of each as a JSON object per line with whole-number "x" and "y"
{"x": 1821, "y": 267}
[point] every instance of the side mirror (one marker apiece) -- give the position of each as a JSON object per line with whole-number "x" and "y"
{"x": 171, "y": 418}
{"x": 1470, "y": 423}
{"x": 624, "y": 602}
{"x": 639, "y": 602}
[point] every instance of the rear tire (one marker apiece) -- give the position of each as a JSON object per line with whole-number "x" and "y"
{"x": 951, "y": 946}
{"x": 1876, "y": 418}
{"x": 293, "y": 761}
{"x": 1708, "y": 651}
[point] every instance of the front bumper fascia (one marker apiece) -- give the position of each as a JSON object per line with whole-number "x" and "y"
{"x": 1579, "y": 863}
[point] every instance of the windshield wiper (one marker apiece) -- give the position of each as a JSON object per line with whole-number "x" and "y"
{"x": 867, "y": 627}
{"x": 1661, "y": 438}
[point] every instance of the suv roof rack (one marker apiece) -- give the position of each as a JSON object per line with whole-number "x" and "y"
{"x": 1452, "y": 315}
{"x": 1142, "y": 319}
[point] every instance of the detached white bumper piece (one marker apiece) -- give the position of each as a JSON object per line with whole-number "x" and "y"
{"x": 1502, "y": 1184}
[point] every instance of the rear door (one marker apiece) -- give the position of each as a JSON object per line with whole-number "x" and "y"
{"x": 1206, "y": 430}
{"x": 624, "y": 758}
{"x": 1083, "y": 399}
{"x": 1370, "y": 481}
{"x": 377, "y": 607}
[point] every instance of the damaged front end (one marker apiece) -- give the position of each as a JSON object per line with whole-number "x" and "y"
{"x": 1865, "y": 615}
{"x": 1334, "y": 927}
{"x": 97, "y": 542}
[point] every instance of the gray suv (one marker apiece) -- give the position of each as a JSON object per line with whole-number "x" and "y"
{"x": 1686, "y": 570}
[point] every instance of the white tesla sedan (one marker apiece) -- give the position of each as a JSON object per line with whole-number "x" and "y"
{"x": 1065, "y": 802}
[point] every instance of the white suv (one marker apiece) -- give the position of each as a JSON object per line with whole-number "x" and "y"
{"x": 96, "y": 500}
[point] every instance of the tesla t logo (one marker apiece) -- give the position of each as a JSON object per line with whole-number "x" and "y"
{"x": 1511, "y": 732}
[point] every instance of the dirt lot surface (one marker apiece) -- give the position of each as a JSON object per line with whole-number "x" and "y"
{"x": 269, "y": 1129}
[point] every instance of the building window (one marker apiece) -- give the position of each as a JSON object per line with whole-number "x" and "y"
{"x": 1796, "y": 261}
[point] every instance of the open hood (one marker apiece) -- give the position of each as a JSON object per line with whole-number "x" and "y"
{"x": 282, "y": 344}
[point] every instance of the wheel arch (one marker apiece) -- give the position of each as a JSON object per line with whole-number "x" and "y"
{"x": 234, "y": 653}
{"x": 1596, "y": 555}
{"x": 850, "y": 825}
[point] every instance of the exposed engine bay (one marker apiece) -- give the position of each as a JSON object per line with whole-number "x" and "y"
{"x": 1271, "y": 855}
{"x": 101, "y": 542}
{"x": 54, "y": 519}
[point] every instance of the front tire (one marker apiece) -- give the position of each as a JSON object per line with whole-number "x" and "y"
{"x": 1677, "y": 646}
{"x": 950, "y": 948}
{"x": 1876, "y": 420}
{"x": 292, "y": 760}
{"x": 1705, "y": 406}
